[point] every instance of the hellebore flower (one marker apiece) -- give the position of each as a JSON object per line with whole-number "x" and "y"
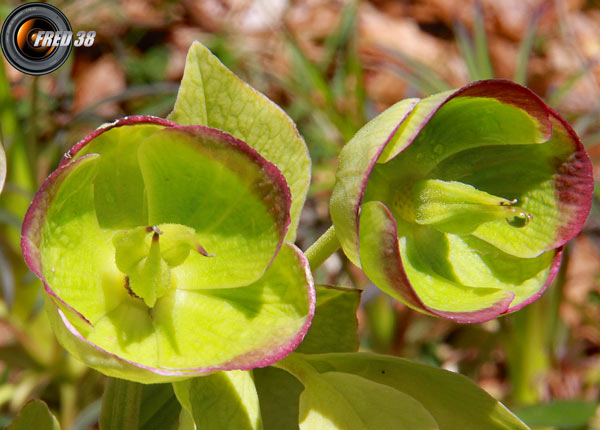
{"x": 161, "y": 249}
{"x": 459, "y": 204}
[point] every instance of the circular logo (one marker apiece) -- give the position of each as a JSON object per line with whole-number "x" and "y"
{"x": 36, "y": 38}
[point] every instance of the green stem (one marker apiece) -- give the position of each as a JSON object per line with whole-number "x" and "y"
{"x": 121, "y": 405}
{"x": 319, "y": 251}
{"x": 32, "y": 140}
{"x": 527, "y": 352}
{"x": 68, "y": 404}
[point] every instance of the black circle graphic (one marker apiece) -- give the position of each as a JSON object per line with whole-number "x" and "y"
{"x": 19, "y": 34}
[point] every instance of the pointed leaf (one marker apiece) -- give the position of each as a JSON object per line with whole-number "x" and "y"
{"x": 35, "y": 415}
{"x": 279, "y": 397}
{"x": 345, "y": 401}
{"x": 455, "y": 402}
{"x": 211, "y": 95}
{"x": 221, "y": 400}
{"x": 334, "y": 327}
{"x": 159, "y": 408}
{"x": 335, "y": 400}
{"x": 121, "y": 405}
{"x": 559, "y": 413}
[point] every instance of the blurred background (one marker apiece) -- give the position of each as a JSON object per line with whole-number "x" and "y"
{"x": 332, "y": 65}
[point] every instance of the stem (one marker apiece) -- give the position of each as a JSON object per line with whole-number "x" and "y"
{"x": 68, "y": 404}
{"x": 121, "y": 405}
{"x": 319, "y": 251}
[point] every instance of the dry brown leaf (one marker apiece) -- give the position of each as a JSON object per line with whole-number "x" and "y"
{"x": 96, "y": 81}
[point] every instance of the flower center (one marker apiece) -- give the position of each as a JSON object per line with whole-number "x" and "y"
{"x": 146, "y": 256}
{"x": 455, "y": 207}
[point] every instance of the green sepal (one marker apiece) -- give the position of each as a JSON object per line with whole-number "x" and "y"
{"x": 334, "y": 327}
{"x": 211, "y": 95}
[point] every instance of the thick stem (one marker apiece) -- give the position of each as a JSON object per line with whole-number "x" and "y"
{"x": 121, "y": 405}
{"x": 319, "y": 251}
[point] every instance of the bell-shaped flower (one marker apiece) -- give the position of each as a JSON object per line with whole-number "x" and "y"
{"x": 163, "y": 253}
{"x": 459, "y": 204}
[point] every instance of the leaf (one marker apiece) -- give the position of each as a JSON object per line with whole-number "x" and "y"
{"x": 211, "y": 95}
{"x": 35, "y": 415}
{"x": 159, "y": 408}
{"x": 334, "y": 400}
{"x": 345, "y": 401}
{"x": 334, "y": 327}
{"x": 454, "y": 401}
{"x": 121, "y": 405}
{"x": 128, "y": 405}
{"x": 279, "y": 397}
{"x": 221, "y": 400}
{"x": 560, "y": 413}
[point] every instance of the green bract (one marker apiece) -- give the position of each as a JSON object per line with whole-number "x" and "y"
{"x": 162, "y": 247}
{"x": 211, "y": 95}
{"x": 459, "y": 204}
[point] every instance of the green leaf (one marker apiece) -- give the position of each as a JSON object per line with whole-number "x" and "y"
{"x": 454, "y": 401}
{"x": 211, "y": 95}
{"x": 345, "y": 401}
{"x": 560, "y": 413}
{"x": 279, "y": 397}
{"x": 35, "y": 415}
{"x": 159, "y": 408}
{"x": 121, "y": 405}
{"x": 334, "y": 400}
{"x": 334, "y": 327}
{"x": 128, "y": 405}
{"x": 221, "y": 400}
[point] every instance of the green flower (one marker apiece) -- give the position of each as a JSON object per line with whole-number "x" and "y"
{"x": 165, "y": 249}
{"x": 459, "y": 204}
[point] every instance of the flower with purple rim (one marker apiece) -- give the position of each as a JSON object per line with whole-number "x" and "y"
{"x": 162, "y": 252}
{"x": 459, "y": 204}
